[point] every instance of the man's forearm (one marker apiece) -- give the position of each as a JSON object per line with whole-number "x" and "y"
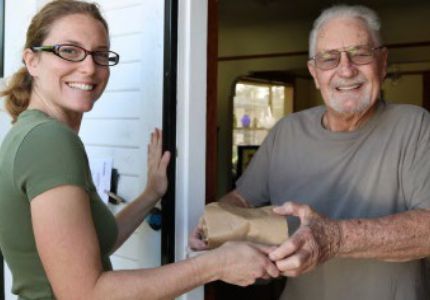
{"x": 400, "y": 237}
{"x": 234, "y": 198}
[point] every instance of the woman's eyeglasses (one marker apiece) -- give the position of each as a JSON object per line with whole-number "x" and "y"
{"x": 76, "y": 54}
{"x": 358, "y": 55}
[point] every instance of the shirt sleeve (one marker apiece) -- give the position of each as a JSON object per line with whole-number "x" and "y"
{"x": 50, "y": 155}
{"x": 253, "y": 185}
{"x": 417, "y": 175}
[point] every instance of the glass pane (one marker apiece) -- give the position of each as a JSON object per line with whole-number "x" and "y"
{"x": 256, "y": 108}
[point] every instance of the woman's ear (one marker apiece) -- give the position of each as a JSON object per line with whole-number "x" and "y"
{"x": 31, "y": 61}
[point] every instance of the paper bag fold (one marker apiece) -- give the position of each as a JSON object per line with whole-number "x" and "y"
{"x": 223, "y": 222}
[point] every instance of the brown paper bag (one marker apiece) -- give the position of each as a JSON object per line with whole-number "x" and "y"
{"x": 223, "y": 222}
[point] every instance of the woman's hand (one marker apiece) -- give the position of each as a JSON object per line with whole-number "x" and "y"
{"x": 156, "y": 185}
{"x": 196, "y": 241}
{"x": 242, "y": 263}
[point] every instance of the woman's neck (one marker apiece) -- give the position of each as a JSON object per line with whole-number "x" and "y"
{"x": 71, "y": 119}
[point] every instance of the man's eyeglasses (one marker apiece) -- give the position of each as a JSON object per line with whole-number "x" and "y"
{"x": 358, "y": 55}
{"x": 76, "y": 54}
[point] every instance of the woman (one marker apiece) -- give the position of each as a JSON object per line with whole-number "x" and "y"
{"x": 55, "y": 233}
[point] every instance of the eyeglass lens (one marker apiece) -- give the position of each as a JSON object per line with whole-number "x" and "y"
{"x": 74, "y": 53}
{"x": 357, "y": 55}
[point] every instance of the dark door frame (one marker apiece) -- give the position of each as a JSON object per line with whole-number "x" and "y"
{"x": 426, "y": 90}
{"x": 169, "y": 128}
{"x": 211, "y": 116}
{"x": 2, "y": 16}
{"x": 211, "y": 102}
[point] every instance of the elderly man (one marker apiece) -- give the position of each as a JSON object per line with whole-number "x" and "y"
{"x": 356, "y": 172}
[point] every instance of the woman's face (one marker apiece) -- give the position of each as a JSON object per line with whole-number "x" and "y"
{"x": 69, "y": 87}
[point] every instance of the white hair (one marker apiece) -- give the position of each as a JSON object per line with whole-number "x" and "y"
{"x": 367, "y": 15}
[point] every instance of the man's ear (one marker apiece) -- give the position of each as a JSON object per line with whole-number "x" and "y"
{"x": 384, "y": 62}
{"x": 312, "y": 70}
{"x": 31, "y": 61}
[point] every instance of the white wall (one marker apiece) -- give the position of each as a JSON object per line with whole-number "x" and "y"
{"x": 120, "y": 124}
{"x": 405, "y": 89}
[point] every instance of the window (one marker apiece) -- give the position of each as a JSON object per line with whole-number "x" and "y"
{"x": 257, "y": 106}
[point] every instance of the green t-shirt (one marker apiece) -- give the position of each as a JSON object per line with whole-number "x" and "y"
{"x": 38, "y": 154}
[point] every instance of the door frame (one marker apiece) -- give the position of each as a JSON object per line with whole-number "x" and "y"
{"x": 190, "y": 125}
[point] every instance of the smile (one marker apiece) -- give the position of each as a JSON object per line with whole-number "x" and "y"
{"x": 348, "y": 87}
{"x": 81, "y": 86}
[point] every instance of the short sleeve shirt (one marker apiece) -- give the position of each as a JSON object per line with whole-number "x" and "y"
{"x": 380, "y": 169}
{"x": 39, "y": 153}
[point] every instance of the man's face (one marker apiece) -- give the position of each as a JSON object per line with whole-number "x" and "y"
{"x": 348, "y": 88}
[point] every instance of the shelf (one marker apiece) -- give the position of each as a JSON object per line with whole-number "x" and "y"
{"x": 250, "y": 128}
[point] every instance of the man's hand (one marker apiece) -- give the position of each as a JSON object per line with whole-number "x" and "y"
{"x": 315, "y": 241}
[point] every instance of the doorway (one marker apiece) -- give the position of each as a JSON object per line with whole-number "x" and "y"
{"x": 270, "y": 36}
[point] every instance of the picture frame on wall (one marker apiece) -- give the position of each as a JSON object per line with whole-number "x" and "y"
{"x": 245, "y": 154}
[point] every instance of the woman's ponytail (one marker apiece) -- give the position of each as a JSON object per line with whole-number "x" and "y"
{"x": 17, "y": 93}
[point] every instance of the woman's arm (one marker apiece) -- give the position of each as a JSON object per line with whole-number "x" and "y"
{"x": 68, "y": 247}
{"x": 129, "y": 218}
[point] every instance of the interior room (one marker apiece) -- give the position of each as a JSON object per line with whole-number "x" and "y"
{"x": 261, "y": 50}
{"x": 265, "y": 41}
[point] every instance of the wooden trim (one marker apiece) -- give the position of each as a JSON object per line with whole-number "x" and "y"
{"x": 294, "y": 95}
{"x": 418, "y": 72}
{"x": 262, "y": 82}
{"x": 408, "y": 45}
{"x": 426, "y": 90}
{"x": 211, "y": 118}
{"x": 303, "y": 53}
{"x": 263, "y": 55}
{"x": 212, "y": 86}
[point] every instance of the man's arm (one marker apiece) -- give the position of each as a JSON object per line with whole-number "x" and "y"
{"x": 400, "y": 237}
{"x": 234, "y": 198}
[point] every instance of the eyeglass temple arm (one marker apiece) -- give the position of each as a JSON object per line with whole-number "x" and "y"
{"x": 42, "y": 48}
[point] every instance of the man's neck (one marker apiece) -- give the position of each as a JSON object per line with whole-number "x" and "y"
{"x": 337, "y": 122}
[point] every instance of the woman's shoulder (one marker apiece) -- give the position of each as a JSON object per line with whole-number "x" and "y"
{"x": 36, "y": 127}
{"x": 36, "y": 136}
